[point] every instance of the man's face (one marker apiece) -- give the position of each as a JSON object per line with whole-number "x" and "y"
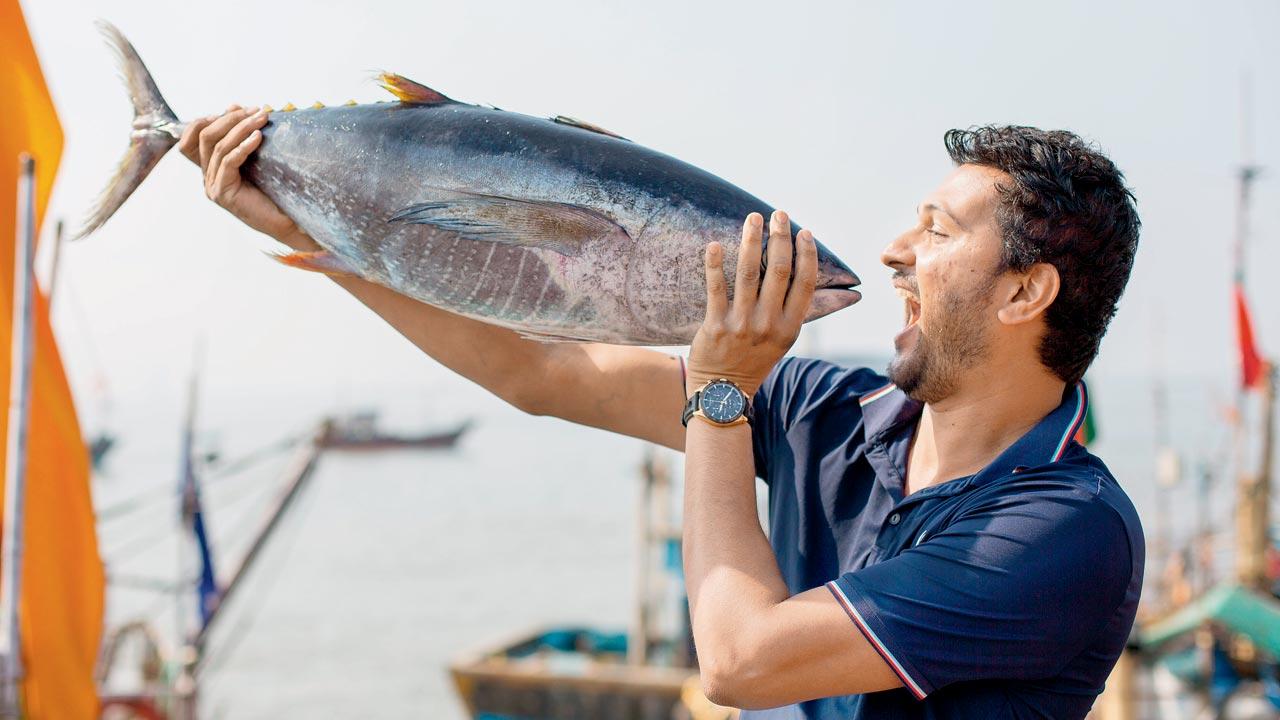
{"x": 945, "y": 270}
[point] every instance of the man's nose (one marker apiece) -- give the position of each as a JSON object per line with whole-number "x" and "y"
{"x": 899, "y": 253}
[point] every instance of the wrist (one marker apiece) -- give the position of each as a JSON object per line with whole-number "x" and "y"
{"x": 711, "y": 428}
{"x": 696, "y": 380}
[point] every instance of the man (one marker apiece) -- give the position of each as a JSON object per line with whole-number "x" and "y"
{"x": 940, "y": 545}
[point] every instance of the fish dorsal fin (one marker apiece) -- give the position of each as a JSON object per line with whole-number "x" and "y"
{"x": 574, "y": 122}
{"x": 410, "y": 92}
{"x": 543, "y": 224}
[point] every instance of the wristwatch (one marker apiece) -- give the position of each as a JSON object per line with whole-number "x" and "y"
{"x": 720, "y": 401}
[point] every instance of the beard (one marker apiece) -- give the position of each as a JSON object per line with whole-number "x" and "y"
{"x": 956, "y": 341}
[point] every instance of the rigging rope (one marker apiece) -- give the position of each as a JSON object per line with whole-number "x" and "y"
{"x": 146, "y": 498}
{"x": 212, "y": 662}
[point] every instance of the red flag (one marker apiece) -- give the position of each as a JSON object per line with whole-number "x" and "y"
{"x": 1250, "y": 359}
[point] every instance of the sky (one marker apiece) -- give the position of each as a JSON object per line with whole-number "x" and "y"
{"x": 832, "y": 111}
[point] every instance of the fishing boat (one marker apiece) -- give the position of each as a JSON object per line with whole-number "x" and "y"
{"x": 360, "y": 431}
{"x": 164, "y": 685}
{"x": 98, "y": 447}
{"x": 646, "y": 673}
{"x": 570, "y": 672}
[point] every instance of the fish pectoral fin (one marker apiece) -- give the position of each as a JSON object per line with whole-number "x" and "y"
{"x": 575, "y": 122}
{"x": 410, "y": 92}
{"x": 321, "y": 261}
{"x": 561, "y": 227}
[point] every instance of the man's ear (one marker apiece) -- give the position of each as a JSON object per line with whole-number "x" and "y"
{"x": 1034, "y": 292}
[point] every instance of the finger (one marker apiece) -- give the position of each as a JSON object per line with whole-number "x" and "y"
{"x": 777, "y": 274}
{"x": 717, "y": 298}
{"x": 214, "y": 132}
{"x": 229, "y": 168}
{"x": 802, "y": 287}
{"x": 232, "y": 140}
{"x": 746, "y": 284}
{"x": 189, "y": 143}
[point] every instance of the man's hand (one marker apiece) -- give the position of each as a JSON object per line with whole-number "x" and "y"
{"x": 742, "y": 342}
{"x": 220, "y": 145}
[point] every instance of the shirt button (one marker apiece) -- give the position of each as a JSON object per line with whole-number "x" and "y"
{"x": 894, "y": 519}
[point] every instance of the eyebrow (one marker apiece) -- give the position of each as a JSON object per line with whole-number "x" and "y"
{"x": 938, "y": 208}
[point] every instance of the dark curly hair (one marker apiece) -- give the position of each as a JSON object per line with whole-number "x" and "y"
{"x": 1065, "y": 204}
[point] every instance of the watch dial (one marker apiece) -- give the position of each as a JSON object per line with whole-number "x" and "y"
{"x": 722, "y": 402}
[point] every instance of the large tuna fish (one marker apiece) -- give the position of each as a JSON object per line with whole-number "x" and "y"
{"x": 555, "y": 228}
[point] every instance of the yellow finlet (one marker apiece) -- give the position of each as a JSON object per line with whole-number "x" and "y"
{"x": 408, "y": 91}
{"x": 317, "y": 105}
{"x": 350, "y": 103}
{"x": 288, "y": 107}
{"x": 268, "y": 109}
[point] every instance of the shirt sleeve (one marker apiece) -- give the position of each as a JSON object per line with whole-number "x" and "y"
{"x": 794, "y": 389}
{"x": 1012, "y": 590}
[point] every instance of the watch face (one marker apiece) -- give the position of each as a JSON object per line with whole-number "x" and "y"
{"x": 722, "y": 402}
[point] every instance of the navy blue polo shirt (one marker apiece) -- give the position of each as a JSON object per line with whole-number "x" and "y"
{"x": 1006, "y": 594}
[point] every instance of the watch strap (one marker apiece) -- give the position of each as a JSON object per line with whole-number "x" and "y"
{"x": 690, "y": 407}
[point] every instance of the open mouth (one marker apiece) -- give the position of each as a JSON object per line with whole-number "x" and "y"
{"x": 911, "y": 307}
{"x": 835, "y": 290}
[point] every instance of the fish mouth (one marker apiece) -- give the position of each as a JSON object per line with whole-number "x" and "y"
{"x": 835, "y": 291}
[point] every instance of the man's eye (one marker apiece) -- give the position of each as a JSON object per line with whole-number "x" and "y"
{"x": 935, "y": 232}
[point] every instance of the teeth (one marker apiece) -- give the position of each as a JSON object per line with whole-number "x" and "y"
{"x": 911, "y": 306}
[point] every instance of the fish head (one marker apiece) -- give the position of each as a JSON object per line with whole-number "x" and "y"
{"x": 834, "y": 287}
{"x": 665, "y": 289}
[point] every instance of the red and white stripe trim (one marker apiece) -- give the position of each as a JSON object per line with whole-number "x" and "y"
{"x": 875, "y": 395}
{"x": 875, "y": 641}
{"x": 1082, "y": 402}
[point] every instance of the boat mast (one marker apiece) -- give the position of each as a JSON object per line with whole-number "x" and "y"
{"x": 1167, "y": 466}
{"x": 185, "y": 686}
{"x": 16, "y": 443}
{"x": 53, "y": 265}
{"x": 1254, "y": 486}
{"x": 298, "y": 473}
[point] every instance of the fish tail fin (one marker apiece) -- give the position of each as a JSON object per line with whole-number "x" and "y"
{"x": 155, "y": 130}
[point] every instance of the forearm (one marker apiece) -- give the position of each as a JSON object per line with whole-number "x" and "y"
{"x": 758, "y": 646}
{"x": 493, "y": 357}
{"x": 628, "y": 390}
{"x": 731, "y": 574}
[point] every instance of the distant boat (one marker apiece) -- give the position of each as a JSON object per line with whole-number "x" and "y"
{"x": 567, "y": 672}
{"x": 99, "y": 446}
{"x": 360, "y": 432}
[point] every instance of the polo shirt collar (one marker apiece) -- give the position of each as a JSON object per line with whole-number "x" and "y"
{"x": 887, "y": 408}
{"x": 1047, "y": 442}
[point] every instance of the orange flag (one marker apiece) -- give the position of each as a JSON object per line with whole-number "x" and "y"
{"x": 60, "y": 608}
